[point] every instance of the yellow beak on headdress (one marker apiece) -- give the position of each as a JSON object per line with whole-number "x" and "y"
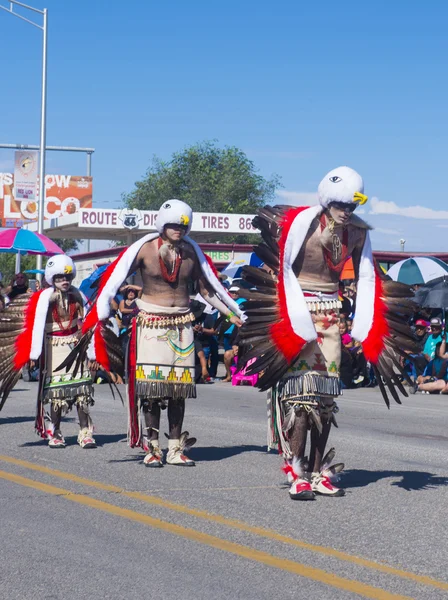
{"x": 184, "y": 220}
{"x": 68, "y": 270}
{"x": 359, "y": 198}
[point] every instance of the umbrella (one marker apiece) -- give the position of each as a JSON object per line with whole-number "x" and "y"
{"x": 22, "y": 241}
{"x": 235, "y": 268}
{"x": 434, "y": 294}
{"x": 418, "y": 270}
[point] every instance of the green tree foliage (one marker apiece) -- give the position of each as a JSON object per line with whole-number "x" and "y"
{"x": 208, "y": 178}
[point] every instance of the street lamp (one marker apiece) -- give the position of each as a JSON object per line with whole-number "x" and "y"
{"x": 43, "y": 114}
{"x": 402, "y": 243}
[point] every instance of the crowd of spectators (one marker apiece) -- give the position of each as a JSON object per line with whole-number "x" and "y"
{"x": 216, "y": 338}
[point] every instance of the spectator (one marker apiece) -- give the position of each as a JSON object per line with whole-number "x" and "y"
{"x": 346, "y": 338}
{"x": 230, "y": 336}
{"x": 208, "y": 339}
{"x": 19, "y": 285}
{"x": 433, "y": 339}
{"x": 435, "y": 377}
{"x": 421, "y": 333}
{"x": 418, "y": 362}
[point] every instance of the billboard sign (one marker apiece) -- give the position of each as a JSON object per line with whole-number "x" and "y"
{"x": 25, "y": 174}
{"x": 64, "y": 195}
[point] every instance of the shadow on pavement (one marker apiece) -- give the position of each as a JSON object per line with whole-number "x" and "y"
{"x": 410, "y": 480}
{"x": 72, "y": 440}
{"x": 10, "y": 420}
{"x": 214, "y": 453}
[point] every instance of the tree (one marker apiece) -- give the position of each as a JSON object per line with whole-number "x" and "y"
{"x": 208, "y": 178}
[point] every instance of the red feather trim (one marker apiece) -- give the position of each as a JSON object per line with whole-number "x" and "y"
{"x": 283, "y": 335}
{"x": 100, "y": 349}
{"x": 212, "y": 266}
{"x": 92, "y": 316}
{"x": 374, "y": 345}
{"x": 24, "y": 340}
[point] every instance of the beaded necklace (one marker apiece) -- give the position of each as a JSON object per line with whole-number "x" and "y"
{"x": 57, "y": 317}
{"x": 170, "y": 277}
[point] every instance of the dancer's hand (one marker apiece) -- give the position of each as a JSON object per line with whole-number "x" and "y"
{"x": 236, "y": 321}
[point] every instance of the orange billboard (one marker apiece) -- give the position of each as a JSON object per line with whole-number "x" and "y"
{"x": 64, "y": 195}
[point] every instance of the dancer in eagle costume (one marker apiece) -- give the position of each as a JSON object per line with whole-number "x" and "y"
{"x": 43, "y": 328}
{"x": 292, "y": 325}
{"x": 161, "y": 346}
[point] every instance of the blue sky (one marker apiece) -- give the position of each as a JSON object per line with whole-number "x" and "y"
{"x": 302, "y": 87}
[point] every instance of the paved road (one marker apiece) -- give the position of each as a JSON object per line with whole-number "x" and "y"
{"x": 82, "y": 524}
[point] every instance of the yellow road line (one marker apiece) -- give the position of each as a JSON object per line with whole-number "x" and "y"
{"x": 319, "y": 575}
{"x": 240, "y": 525}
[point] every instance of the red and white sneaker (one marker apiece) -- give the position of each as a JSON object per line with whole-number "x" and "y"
{"x": 301, "y": 490}
{"x": 56, "y": 442}
{"x": 86, "y": 439}
{"x": 153, "y": 456}
{"x": 321, "y": 484}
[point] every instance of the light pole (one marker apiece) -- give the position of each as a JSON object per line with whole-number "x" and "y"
{"x": 43, "y": 113}
{"x": 402, "y": 243}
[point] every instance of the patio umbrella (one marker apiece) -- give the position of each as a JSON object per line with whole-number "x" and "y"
{"x": 418, "y": 270}
{"x": 234, "y": 269}
{"x": 22, "y": 241}
{"x": 434, "y": 294}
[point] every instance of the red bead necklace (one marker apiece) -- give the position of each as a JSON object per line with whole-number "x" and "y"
{"x": 57, "y": 318}
{"x": 170, "y": 277}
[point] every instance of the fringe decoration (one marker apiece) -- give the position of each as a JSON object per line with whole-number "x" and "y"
{"x": 308, "y": 385}
{"x": 69, "y": 392}
{"x": 145, "y": 319}
{"x": 162, "y": 389}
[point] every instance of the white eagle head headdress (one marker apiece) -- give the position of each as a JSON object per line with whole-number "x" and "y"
{"x": 176, "y": 212}
{"x": 61, "y": 264}
{"x": 341, "y": 185}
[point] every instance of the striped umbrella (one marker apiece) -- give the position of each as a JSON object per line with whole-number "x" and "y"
{"x": 23, "y": 241}
{"x": 418, "y": 270}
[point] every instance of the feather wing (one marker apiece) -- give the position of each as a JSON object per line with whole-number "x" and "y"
{"x": 262, "y": 303}
{"x": 398, "y": 343}
{"x": 12, "y": 324}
